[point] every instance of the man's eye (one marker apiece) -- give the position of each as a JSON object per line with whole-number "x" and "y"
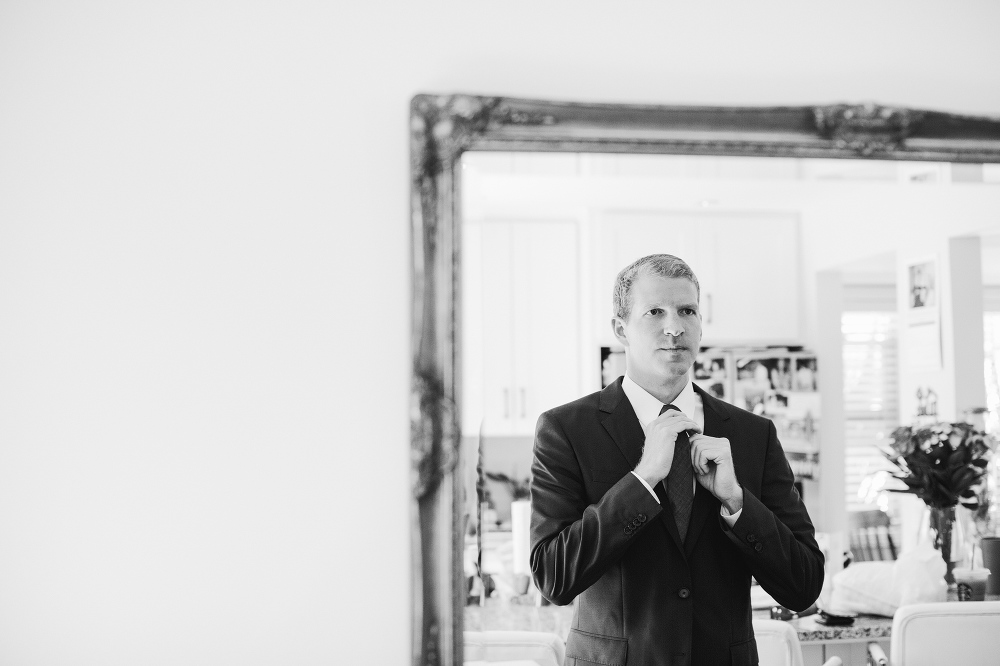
{"x": 689, "y": 311}
{"x": 655, "y": 312}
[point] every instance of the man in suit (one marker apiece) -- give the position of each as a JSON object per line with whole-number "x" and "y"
{"x": 653, "y": 503}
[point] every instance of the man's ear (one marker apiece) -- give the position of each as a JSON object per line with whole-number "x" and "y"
{"x": 618, "y": 328}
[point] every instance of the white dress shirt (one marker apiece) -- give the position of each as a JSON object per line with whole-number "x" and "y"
{"x": 647, "y": 408}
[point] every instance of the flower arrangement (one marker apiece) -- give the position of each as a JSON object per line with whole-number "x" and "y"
{"x": 943, "y": 464}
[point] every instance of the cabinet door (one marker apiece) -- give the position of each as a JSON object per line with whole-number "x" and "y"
{"x": 756, "y": 270}
{"x": 747, "y": 267}
{"x": 547, "y": 319}
{"x": 627, "y": 236}
{"x": 496, "y": 326}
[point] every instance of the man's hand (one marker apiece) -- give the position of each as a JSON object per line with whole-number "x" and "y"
{"x": 712, "y": 460}
{"x": 658, "y": 451}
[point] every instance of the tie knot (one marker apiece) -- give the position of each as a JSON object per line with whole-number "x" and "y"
{"x": 668, "y": 407}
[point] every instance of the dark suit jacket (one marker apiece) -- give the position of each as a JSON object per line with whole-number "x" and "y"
{"x": 643, "y": 597}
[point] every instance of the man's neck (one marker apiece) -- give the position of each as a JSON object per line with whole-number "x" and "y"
{"x": 664, "y": 391}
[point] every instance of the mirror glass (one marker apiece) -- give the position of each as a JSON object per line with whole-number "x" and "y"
{"x": 543, "y": 236}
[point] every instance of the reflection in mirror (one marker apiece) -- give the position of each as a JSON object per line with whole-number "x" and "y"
{"x": 444, "y": 127}
{"x": 543, "y": 236}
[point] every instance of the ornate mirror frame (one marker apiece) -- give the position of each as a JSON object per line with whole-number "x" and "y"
{"x": 442, "y": 127}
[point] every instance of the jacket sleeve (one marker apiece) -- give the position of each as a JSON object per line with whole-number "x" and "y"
{"x": 776, "y": 537}
{"x": 574, "y": 542}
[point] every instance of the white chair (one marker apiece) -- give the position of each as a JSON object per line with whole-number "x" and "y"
{"x": 513, "y": 648}
{"x": 778, "y": 644}
{"x": 965, "y": 634}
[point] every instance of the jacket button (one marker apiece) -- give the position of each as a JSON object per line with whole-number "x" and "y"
{"x": 628, "y": 530}
{"x": 641, "y": 517}
{"x": 758, "y": 547}
{"x": 751, "y": 538}
{"x": 683, "y": 593}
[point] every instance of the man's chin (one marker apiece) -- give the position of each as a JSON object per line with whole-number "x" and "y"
{"x": 675, "y": 368}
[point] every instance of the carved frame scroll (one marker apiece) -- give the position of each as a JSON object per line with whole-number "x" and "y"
{"x": 442, "y": 127}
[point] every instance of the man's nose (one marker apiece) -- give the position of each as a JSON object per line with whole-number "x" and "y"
{"x": 672, "y": 327}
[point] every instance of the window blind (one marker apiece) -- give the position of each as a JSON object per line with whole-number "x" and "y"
{"x": 871, "y": 404}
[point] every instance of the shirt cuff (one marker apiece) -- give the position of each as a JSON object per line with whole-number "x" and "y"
{"x": 726, "y": 516}
{"x": 653, "y": 492}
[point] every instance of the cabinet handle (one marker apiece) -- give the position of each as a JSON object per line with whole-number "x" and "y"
{"x": 524, "y": 403}
{"x": 506, "y": 403}
{"x": 708, "y": 302}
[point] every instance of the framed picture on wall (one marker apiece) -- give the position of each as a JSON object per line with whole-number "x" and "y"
{"x": 921, "y": 332}
{"x": 922, "y": 285}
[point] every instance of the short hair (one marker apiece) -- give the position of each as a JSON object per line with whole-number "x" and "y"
{"x": 663, "y": 265}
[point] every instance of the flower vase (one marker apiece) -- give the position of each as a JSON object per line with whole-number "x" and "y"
{"x": 941, "y": 523}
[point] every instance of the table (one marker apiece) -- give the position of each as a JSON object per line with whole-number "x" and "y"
{"x": 557, "y": 620}
{"x": 819, "y": 642}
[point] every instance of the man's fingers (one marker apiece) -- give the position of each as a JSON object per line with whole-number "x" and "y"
{"x": 674, "y": 415}
{"x": 706, "y": 451}
{"x": 697, "y": 459}
{"x": 704, "y": 457}
{"x": 675, "y": 422}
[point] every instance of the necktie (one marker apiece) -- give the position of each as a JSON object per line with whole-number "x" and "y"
{"x": 680, "y": 481}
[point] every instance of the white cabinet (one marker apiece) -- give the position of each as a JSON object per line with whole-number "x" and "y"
{"x": 521, "y": 322}
{"x": 755, "y": 295}
{"x": 747, "y": 266}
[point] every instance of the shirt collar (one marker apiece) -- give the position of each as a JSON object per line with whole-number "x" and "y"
{"x": 647, "y": 407}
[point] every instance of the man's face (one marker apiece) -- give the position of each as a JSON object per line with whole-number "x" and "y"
{"x": 663, "y": 332}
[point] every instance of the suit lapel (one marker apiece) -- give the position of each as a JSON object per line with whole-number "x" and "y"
{"x": 623, "y": 425}
{"x": 715, "y": 411}
{"x": 705, "y": 505}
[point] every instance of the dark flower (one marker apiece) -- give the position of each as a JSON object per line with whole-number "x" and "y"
{"x": 942, "y": 464}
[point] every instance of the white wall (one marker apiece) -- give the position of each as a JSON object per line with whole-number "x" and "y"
{"x": 204, "y": 288}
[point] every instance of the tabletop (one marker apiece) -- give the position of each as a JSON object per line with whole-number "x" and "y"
{"x": 497, "y": 615}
